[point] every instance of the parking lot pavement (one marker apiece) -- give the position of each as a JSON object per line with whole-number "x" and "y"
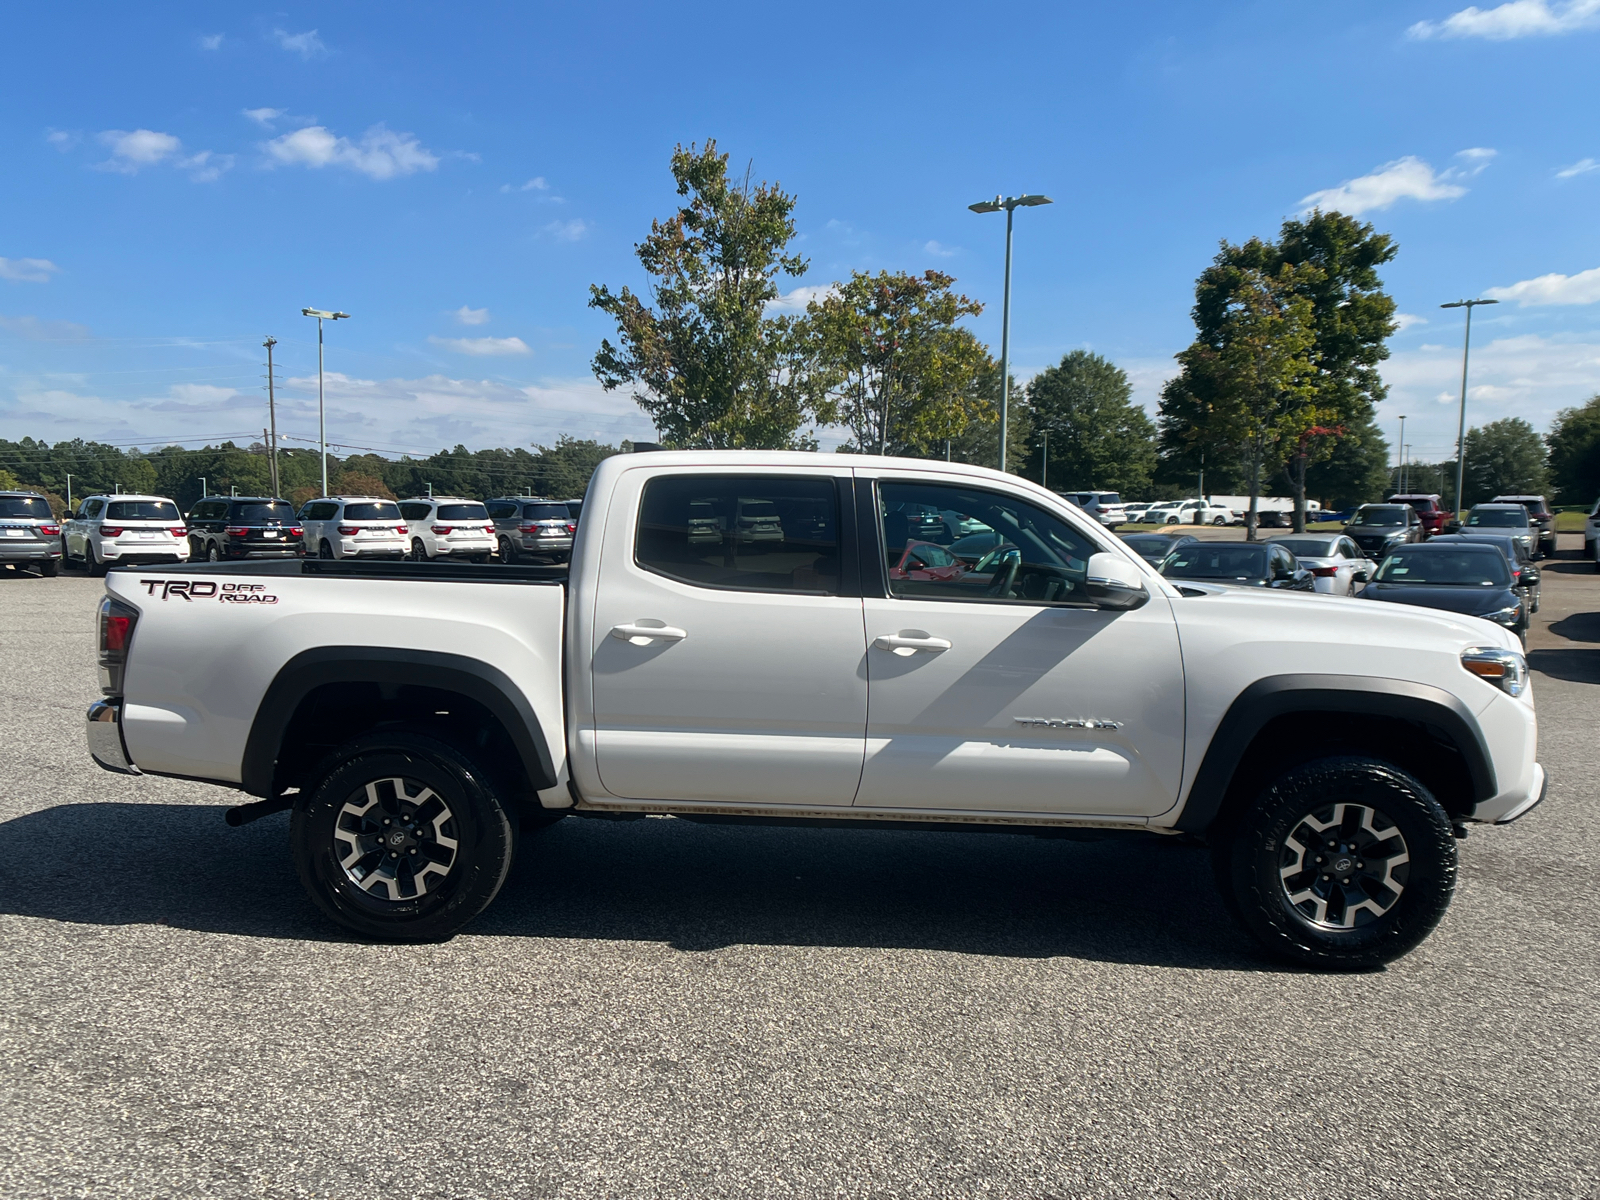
{"x": 661, "y": 1009}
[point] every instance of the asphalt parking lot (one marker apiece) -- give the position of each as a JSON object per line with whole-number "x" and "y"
{"x": 668, "y": 1010}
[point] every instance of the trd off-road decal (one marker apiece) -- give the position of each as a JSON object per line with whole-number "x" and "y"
{"x": 209, "y": 589}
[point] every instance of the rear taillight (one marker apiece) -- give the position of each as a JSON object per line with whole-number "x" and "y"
{"x": 296, "y": 531}
{"x": 349, "y": 530}
{"x": 527, "y": 529}
{"x": 178, "y": 531}
{"x": 116, "y": 634}
{"x": 572, "y": 529}
{"x": 441, "y": 530}
{"x": 238, "y": 531}
{"x": 111, "y": 531}
{"x": 1323, "y": 572}
{"x": 50, "y": 530}
{"x": 402, "y": 529}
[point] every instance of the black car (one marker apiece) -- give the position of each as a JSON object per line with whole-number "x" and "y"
{"x": 1524, "y": 573}
{"x": 222, "y": 527}
{"x": 1242, "y": 564}
{"x": 1379, "y": 528}
{"x": 1462, "y": 577}
{"x": 1154, "y": 547}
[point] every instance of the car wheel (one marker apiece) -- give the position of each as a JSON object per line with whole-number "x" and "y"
{"x": 480, "y": 558}
{"x": 48, "y": 569}
{"x": 403, "y": 838}
{"x": 91, "y": 561}
{"x": 419, "y": 552}
{"x": 1219, "y": 520}
{"x": 212, "y": 553}
{"x": 508, "y": 552}
{"x": 324, "y": 550}
{"x": 1343, "y": 863}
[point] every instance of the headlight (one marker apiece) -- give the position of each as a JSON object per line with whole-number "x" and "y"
{"x": 1506, "y": 669}
{"x": 1504, "y": 616}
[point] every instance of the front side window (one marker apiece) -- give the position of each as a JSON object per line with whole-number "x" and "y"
{"x": 1033, "y": 557}
{"x": 142, "y": 510}
{"x": 91, "y": 508}
{"x": 752, "y": 532}
{"x": 377, "y": 510}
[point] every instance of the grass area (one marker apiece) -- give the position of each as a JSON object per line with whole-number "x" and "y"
{"x": 1570, "y": 522}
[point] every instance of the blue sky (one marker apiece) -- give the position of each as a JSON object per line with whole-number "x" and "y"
{"x": 181, "y": 180}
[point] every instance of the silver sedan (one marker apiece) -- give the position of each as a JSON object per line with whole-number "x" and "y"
{"x": 1336, "y": 562}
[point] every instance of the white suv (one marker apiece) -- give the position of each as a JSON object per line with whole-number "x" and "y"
{"x": 108, "y": 530}
{"x": 1105, "y": 507}
{"x": 354, "y": 527}
{"x": 448, "y": 527}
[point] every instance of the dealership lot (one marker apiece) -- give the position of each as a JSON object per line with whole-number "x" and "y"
{"x": 658, "y": 1008}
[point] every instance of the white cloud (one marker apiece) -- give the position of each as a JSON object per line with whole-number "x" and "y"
{"x": 1582, "y": 288}
{"x": 1517, "y": 19}
{"x": 61, "y": 139}
{"x": 381, "y": 154}
{"x": 206, "y": 166}
{"x": 472, "y": 316}
{"x": 567, "y": 231}
{"x": 36, "y": 330}
{"x": 131, "y": 151}
{"x": 536, "y": 184}
{"x": 1404, "y": 321}
{"x": 212, "y": 41}
{"x": 307, "y": 45}
{"x": 799, "y": 298}
{"x": 484, "y": 345}
{"x": 27, "y": 270}
{"x": 1407, "y": 178}
{"x": 940, "y": 251}
{"x": 263, "y": 116}
{"x": 1582, "y": 167}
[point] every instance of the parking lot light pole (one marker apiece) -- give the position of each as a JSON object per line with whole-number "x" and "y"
{"x": 322, "y": 421}
{"x": 1461, "y": 423}
{"x": 1010, "y": 204}
{"x": 1400, "y": 458}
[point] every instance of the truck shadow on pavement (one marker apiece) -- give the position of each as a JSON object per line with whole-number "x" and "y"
{"x": 693, "y": 887}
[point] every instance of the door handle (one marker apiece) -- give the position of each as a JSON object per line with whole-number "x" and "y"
{"x": 903, "y": 645}
{"x": 642, "y": 635}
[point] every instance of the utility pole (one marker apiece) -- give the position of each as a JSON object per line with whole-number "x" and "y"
{"x": 203, "y": 492}
{"x": 1044, "y": 465}
{"x": 1400, "y": 458}
{"x": 69, "y": 493}
{"x": 272, "y": 415}
{"x": 322, "y": 420}
{"x": 1461, "y": 423}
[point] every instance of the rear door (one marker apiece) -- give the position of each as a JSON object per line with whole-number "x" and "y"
{"x": 726, "y": 668}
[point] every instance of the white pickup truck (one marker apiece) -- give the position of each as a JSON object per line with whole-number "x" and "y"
{"x": 418, "y": 718}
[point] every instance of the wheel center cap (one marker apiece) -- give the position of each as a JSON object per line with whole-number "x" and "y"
{"x": 397, "y": 838}
{"x": 1343, "y": 864}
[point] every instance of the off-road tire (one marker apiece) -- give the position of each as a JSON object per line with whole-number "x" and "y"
{"x": 49, "y": 568}
{"x": 1253, "y": 857}
{"x": 212, "y": 553}
{"x": 325, "y": 550}
{"x": 482, "y": 829}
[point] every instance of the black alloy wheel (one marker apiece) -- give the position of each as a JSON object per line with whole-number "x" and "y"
{"x": 508, "y": 551}
{"x": 212, "y": 553}
{"x": 1342, "y": 864}
{"x": 419, "y": 552}
{"x": 67, "y": 561}
{"x": 404, "y": 837}
{"x": 325, "y": 550}
{"x": 48, "y": 568}
{"x": 91, "y": 561}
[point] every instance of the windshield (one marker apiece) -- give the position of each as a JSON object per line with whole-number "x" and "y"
{"x": 142, "y": 510}
{"x": 1466, "y": 567}
{"x": 1148, "y": 544}
{"x": 1498, "y": 518}
{"x": 545, "y": 512}
{"x": 463, "y": 512}
{"x": 928, "y": 554}
{"x": 381, "y": 511}
{"x": 1310, "y": 547}
{"x": 24, "y": 506}
{"x": 1381, "y": 514}
{"x": 274, "y": 512}
{"x": 1203, "y": 560}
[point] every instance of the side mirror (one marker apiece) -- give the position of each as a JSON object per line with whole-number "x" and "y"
{"x": 1113, "y": 582}
{"x": 1452, "y": 526}
{"x": 1361, "y": 576}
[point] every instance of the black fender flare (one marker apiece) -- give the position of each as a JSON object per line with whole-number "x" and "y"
{"x": 470, "y": 677}
{"x": 1279, "y": 694}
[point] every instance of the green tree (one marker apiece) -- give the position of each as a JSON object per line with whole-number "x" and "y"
{"x": 1574, "y": 445}
{"x": 979, "y": 443}
{"x": 1097, "y": 437}
{"x": 894, "y": 367}
{"x": 1356, "y": 470}
{"x": 1504, "y": 458}
{"x": 564, "y": 469}
{"x": 707, "y": 363}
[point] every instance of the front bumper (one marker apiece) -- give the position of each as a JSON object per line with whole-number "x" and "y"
{"x": 103, "y": 725}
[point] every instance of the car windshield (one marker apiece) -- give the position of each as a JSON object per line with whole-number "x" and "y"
{"x": 24, "y": 506}
{"x": 382, "y": 510}
{"x": 927, "y": 554}
{"x": 1310, "y": 547}
{"x": 275, "y": 511}
{"x": 1464, "y": 567}
{"x": 463, "y": 512}
{"x": 1498, "y": 518}
{"x": 1211, "y": 560}
{"x": 142, "y": 510}
{"x": 1148, "y": 545}
{"x": 1381, "y": 514}
{"x": 545, "y": 512}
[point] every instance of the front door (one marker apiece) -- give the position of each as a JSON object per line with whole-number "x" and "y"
{"x": 997, "y": 686}
{"x": 727, "y": 651}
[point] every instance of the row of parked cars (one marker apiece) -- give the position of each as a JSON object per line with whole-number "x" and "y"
{"x": 106, "y": 530}
{"x": 1483, "y": 567}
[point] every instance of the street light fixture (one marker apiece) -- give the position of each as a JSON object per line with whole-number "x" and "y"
{"x": 1010, "y": 204}
{"x": 1461, "y": 423}
{"x": 322, "y": 423}
{"x": 1400, "y": 463}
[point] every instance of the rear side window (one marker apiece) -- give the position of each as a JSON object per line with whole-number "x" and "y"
{"x": 414, "y": 512}
{"x": 544, "y": 512}
{"x": 502, "y": 510}
{"x": 461, "y": 512}
{"x": 381, "y": 510}
{"x": 142, "y": 510}
{"x": 320, "y": 512}
{"x": 751, "y": 532}
{"x": 24, "y": 506}
{"x": 262, "y": 514}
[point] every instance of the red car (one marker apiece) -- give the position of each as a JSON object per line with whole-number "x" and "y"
{"x": 928, "y": 563}
{"x": 1429, "y": 510}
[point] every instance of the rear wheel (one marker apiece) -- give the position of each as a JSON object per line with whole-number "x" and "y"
{"x": 508, "y": 552}
{"x": 405, "y": 838}
{"x": 1219, "y": 520}
{"x": 419, "y": 552}
{"x": 91, "y": 561}
{"x": 212, "y": 553}
{"x": 1343, "y": 863}
{"x": 48, "y": 568}
{"x": 324, "y": 550}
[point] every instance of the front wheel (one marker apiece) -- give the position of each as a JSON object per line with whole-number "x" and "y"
{"x": 1343, "y": 864}
{"x": 405, "y": 838}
